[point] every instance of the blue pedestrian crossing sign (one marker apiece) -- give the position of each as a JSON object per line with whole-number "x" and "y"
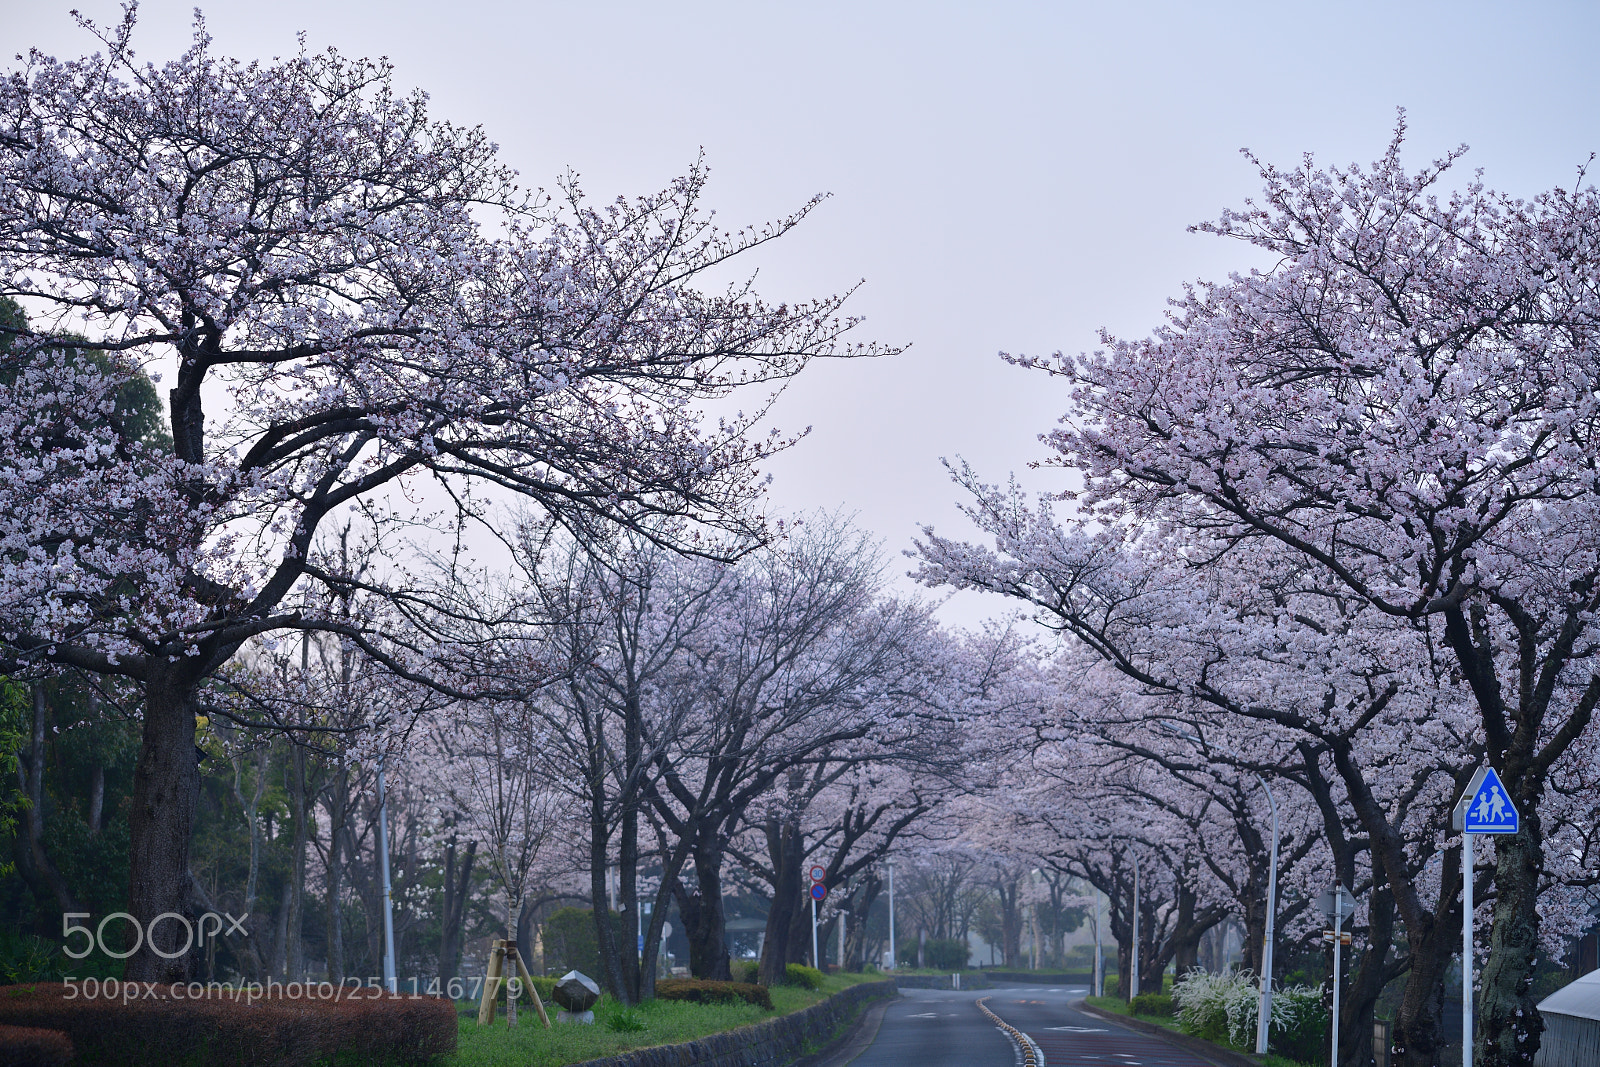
{"x": 1486, "y": 807}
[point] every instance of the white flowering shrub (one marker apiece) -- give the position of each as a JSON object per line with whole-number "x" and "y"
{"x": 1222, "y": 1008}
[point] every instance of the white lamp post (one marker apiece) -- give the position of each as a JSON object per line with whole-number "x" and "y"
{"x": 892, "y": 947}
{"x": 388, "y": 905}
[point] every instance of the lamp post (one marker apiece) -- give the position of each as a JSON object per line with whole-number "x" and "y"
{"x": 1099, "y": 953}
{"x": 388, "y": 906}
{"x": 1133, "y": 956}
{"x": 892, "y": 946}
{"x": 1264, "y": 1007}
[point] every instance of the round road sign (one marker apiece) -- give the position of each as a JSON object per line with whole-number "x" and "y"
{"x": 819, "y": 892}
{"x": 819, "y": 874}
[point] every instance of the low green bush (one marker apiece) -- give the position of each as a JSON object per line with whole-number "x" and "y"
{"x": 703, "y": 991}
{"x": 801, "y": 975}
{"x": 746, "y": 971}
{"x": 1159, "y": 1005}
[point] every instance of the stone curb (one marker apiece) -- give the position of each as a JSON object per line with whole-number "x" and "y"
{"x": 771, "y": 1043}
{"x": 854, "y": 1041}
{"x": 1223, "y": 1057}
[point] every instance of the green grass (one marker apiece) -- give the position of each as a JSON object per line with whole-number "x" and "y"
{"x": 666, "y": 1022}
{"x": 1117, "y": 1006}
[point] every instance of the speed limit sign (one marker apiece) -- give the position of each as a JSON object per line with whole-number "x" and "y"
{"x": 819, "y": 874}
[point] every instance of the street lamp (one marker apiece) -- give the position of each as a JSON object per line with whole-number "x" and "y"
{"x": 892, "y": 946}
{"x": 1133, "y": 975}
{"x": 1264, "y": 1008}
{"x": 383, "y": 859}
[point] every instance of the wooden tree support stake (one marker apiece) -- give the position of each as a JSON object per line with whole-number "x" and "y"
{"x": 491, "y": 983}
{"x": 527, "y": 981}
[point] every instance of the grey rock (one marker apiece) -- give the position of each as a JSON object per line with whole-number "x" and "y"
{"x": 576, "y": 992}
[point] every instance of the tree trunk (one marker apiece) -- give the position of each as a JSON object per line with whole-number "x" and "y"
{"x": 783, "y": 849}
{"x": 457, "y": 888}
{"x": 296, "y": 958}
{"x": 1421, "y": 1004}
{"x": 605, "y": 932}
{"x": 49, "y": 888}
{"x": 1368, "y": 975}
{"x": 166, "y": 783}
{"x": 703, "y": 919}
{"x": 1509, "y": 1026}
{"x": 338, "y": 798}
{"x": 628, "y": 890}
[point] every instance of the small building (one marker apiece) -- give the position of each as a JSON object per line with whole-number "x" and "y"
{"x": 1571, "y": 1025}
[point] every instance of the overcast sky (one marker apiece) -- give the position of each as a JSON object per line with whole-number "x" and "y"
{"x": 1005, "y": 176}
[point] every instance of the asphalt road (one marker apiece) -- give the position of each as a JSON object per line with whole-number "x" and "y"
{"x": 944, "y": 1028}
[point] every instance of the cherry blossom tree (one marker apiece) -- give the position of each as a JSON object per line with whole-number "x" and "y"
{"x": 1400, "y": 407}
{"x": 806, "y": 660}
{"x": 350, "y": 297}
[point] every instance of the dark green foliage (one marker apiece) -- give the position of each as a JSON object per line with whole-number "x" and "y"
{"x": 570, "y": 943}
{"x": 746, "y": 970}
{"x": 704, "y": 991}
{"x": 13, "y": 716}
{"x": 800, "y": 975}
{"x": 1305, "y": 1039}
{"x": 1156, "y": 1004}
{"x": 947, "y": 954}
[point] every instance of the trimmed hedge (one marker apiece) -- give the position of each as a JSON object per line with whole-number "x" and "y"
{"x": 705, "y": 991}
{"x": 801, "y": 975}
{"x": 153, "y": 1028}
{"x": 1159, "y": 1005}
{"x": 26, "y": 1046}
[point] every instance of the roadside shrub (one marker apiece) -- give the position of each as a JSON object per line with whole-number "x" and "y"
{"x": 746, "y": 971}
{"x": 1222, "y": 1008}
{"x": 947, "y": 953}
{"x": 801, "y": 975}
{"x": 232, "y": 1030}
{"x": 25, "y": 1046}
{"x": 1299, "y": 1023}
{"x": 704, "y": 991}
{"x": 1156, "y": 1004}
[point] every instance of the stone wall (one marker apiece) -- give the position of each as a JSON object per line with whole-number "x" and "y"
{"x": 765, "y": 1044}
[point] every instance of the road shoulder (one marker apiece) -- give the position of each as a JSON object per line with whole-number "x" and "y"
{"x": 1216, "y": 1054}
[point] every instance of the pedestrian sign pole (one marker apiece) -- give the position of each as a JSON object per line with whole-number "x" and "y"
{"x": 1485, "y": 808}
{"x": 819, "y": 893}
